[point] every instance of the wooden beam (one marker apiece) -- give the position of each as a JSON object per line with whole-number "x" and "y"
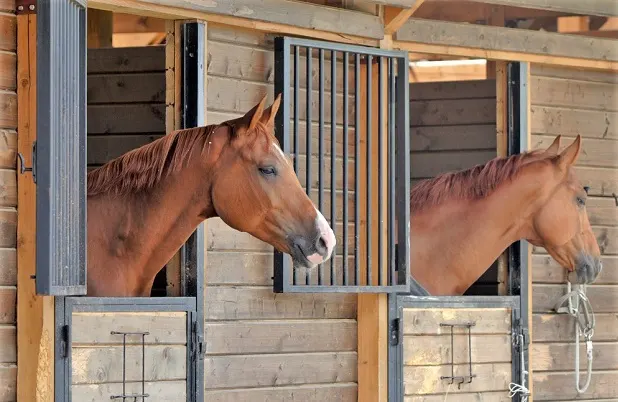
{"x": 473, "y": 11}
{"x": 502, "y": 151}
{"x": 598, "y": 34}
{"x": 573, "y": 24}
{"x": 608, "y": 8}
{"x": 293, "y": 17}
{"x": 394, "y": 17}
{"x": 99, "y": 27}
{"x": 499, "y": 43}
{"x": 129, "y": 23}
{"x": 35, "y": 314}
{"x": 496, "y": 18}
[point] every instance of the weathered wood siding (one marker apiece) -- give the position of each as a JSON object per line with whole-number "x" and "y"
{"x": 427, "y": 354}
{"x": 8, "y": 201}
{"x": 262, "y": 346}
{"x": 571, "y": 102}
{"x": 453, "y": 127}
{"x": 97, "y": 355}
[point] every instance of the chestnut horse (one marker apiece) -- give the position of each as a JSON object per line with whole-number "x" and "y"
{"x": 460, "y": 222}
{"x": 145, "y": 204}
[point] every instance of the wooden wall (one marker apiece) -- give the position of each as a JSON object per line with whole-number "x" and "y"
{"x": 262, "y": 346}
{"x": 8, "y": 201}
{"x": 453, "y": 127}
{"x": 571, "y": 102}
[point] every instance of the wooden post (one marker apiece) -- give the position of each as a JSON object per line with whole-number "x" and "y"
{"x": 495, "y": 18}
{"x": 501, "y": 151}
{"x": 35, "y": 314}
{"x": 100, "y": 27}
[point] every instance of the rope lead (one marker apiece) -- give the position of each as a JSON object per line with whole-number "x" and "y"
{"x": 585, "y": 328}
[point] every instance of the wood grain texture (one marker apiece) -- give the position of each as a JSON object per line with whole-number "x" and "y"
{"x": 457, "y": 137}
{"x": 8, "y": 188}
{"x": 8, "y": 340}
{"x": 490, "y": 396}
{"x": 560, "y": 356}
{"x": 8, "y": 70}
{"x": 8, "y": 298}
{"x": 472, "y": 89}
{"x": 126, "y": 60}
{"x": 306, "y": 393}
{"x": 554, "y": 121}
{"x": 131, "y": 118}
{"x": 8, "y": 149}
{"x": 168, "y": 391}
{"x": 602, "y": 297}
{"x": 560, "y": 328}
{"x": 8, "y": 109}
{"x": 560, "y": 386}
{"x": 8, "y": 228}
{"x": 104, "y": 148}
{"x": 452, "y": 112}
{"x": 279, "y": 369}
{"x": 572, "y": 94}
{"x": 433, "y": 350}
{"x": 8, "y": 381}
{"x": 126, "y": 88}
{"x": 8, "y": 32}
{"x": 427, "y": 321}
{"x": 8, "y": 267}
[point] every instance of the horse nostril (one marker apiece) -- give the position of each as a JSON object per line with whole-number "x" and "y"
{"x": 322, "y": 246}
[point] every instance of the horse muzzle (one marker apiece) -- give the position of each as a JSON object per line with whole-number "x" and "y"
{"x": 587, "y": 270}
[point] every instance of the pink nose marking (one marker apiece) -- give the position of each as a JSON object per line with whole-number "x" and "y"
{"x": 327, "y": 235}
{"x": 315, "y": 258}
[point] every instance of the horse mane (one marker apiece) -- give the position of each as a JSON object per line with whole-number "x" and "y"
{"x": 470, "y": 184}
{"x": 140, "y": 169}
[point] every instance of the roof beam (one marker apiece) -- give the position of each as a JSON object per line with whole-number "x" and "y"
{"x": 128, "y": 23}
{"x": 498, "y": 43}
{"x": 605, "y": 8}
{"x": 395, "y": 17}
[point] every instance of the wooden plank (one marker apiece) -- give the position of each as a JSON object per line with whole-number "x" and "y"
{"x": 452, "y": 112}
{"x": 35, "y": 329}
{"x": 602, "y": 211}
{"x": 300, "y": 336}
{"x": 561, "y": 328}
{"x": 444, "y": 138}
{"x": 394, "y": 18}
{"x": 279, "y": 369}
{"x": 8, "y": 299}
{"x": 547, "y": 270}
{"x": 128, "y": 23}
{"x": 97, "y": 365}
{"x": 568, "y": 122}
{"x": 126, "y": 60}
{"x": 423, "y": 380}
{"x": 8, "y": 228}
{"x": 8, "y": 32}
{"x": 473, "y": 89}
{"x": 561, "y": 386}
{"x": 251, "y": 268}
{"x": 607, "y": 237}
{"x": 430, "y": 164}
{"x": 104, "y": 148}
{"x": 595, "y": 152}
{"x": 8, "y": 188}
{"x": 8, "y": 70}
{"x": 602, "y": 181}
{"x": 581, "y": 74}
{"x": 8, "y": 109}
{"x": 126, "y": 88}
{"x": 8, "y": 379}
{"x": 306, "y": 16}
{"x": 133, "y": 118}
{"x": 8, "y": 149}
{"x": 94, "y": 328}
{"x": 8, "y": 267}
{"x": 99, "y": 28}
{"x": 434, "y": 350}
{"x": 256, "y": 303}
{"x": 168, "y": 391}
{"x": 602, "y": 297}
{"x": 571, "y": 94}
{"x": 8, "y": 352}
{"x": 599, "y": 7}
{"x": 560, "y": 357}
{"x": 498, "y": 43}
{"x": 426, "y": 321}
{"x": 491, "y": 396}
{"x": 7, "y": 5}
{"x": 339, "y": 392}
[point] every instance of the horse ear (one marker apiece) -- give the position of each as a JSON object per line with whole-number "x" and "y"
{"x": 254, "y": 115}
{"x": 570, "y": 154}
{"x": 268, "y": 117}
{"x": 553, "y": 148}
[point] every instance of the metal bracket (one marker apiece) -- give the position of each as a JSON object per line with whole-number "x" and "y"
{"x": 25, "y": 7}
{"x": 395, "y": 332}
{"x": 65, "y": 341}
{"x": 22, "y": 164}
{"x": 467, "y": 378}
{"x": 124, "y": 395}
{"x": 198, "y": 349}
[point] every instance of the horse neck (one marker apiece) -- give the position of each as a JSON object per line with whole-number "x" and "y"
{"x": 454, "y": 243}
{"x": 144, "y": 231}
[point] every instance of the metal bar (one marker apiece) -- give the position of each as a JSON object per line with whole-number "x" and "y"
{"x": 321, "y": 148}
{"x": 369, "y": 134}
{"x": 296, "y": 120}
{"x": 333, "y": 154}
{"x": 357, "y": 112}
{"x": 347, "y": 289}
{"x": 282, "y": 264}
{"x": 391, "y": 171}
{"x": 380, "y": 169}
{"x": 345, "y": 167}
{"x": 341, "y": 47}
{"x": 308, "y": 139}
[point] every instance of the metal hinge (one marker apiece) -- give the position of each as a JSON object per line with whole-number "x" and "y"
{"x": 22, "y": 164}
{"x": 395, "y": 332}
{"x": 198, "y": 342}
{"x": 65, "y": 334}
{"x": 521, "y": 335}
{"x": 25, "y": 7}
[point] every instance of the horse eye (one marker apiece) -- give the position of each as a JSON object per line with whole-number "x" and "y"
{"x": 580, "y": 201}
{"x": 268, "y": 171}
{"x": 586, "y": 189}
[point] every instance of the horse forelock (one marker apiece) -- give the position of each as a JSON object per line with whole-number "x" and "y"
{"x": 142, "y": 168}
{"x": 470, "y": 184}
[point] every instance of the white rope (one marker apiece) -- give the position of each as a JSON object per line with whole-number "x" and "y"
{"x": 585, "y": 328}
{"x": 515, "y": 388}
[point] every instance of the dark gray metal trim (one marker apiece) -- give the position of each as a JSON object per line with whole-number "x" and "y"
{"x": 65, "y": 306}
{"x": 282, "y": 279}
{"x": 60, "y": 159}
{"x": 396, "y": 304}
